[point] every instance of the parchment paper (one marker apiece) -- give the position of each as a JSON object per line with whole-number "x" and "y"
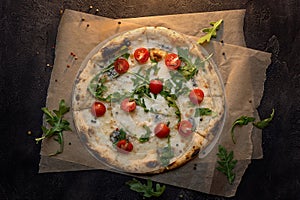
{"x": 242, "y": 70}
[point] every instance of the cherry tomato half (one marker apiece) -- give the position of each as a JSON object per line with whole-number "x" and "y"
{"x": 121, "y": 65}
{"x": 98, "y": 109}
{"x": 128, "y": 105}
{"x": 141, "y": 55}
{"x": 155, "y": 86}
{"x": 196, "y": 96}
{"x": 124, "y": 145}
{"x": 172, "y": 61}
{"x": 185, "y": 128}
{"x": 161, "y": 130}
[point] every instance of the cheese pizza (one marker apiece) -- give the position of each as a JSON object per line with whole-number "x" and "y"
{"x": 148, "y": 100}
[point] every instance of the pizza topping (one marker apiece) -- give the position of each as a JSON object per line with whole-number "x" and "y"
{"x": 185, "y": 128}
{"x": 196, "y": 96}
{"x": 117, "y": 135}
{"x": 97, "y": 88}
{"x": 98, "y": 109}
{"x": 172, "y": 61}
{"x": 141, "y": 55}
{"x": 177, "y": 83}
{"x": 128, "y": 105}
{"x": 125, "y": 145}
{"x": 188, "y": 67}
{"x": 202, "y": 111}
{"x": 145, "y": 137}
{"x": 121, "y": 65}
{"x": 188, "y": 70}
{"x": 157, "y": 54}
{"x": 141, "y": 91}
{"x": 166, "y": 154}
{"x": 162, "y": 130}
{"x": 171, "y": 99}
{"x": 155, "y": 86}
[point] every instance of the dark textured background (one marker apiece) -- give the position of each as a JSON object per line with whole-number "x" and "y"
{"x": 28, "y": 31}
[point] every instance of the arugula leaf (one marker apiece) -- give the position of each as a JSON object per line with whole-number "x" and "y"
{"x": 166, "y": 154}
{"x": 210, "y": 32}
{"x": 202, "y": 111}
{"x": 155, "y": 67}
{"x": 145, "y": 137}
{"x": 189, "y": 69}
{"x": 111, "y": 65}
{"x": 171, "y": 99}
{"x": 243, "y": 120}
{"x": 177, "y": 83}
{"x": 147, "y": 190}
{"x": 57, "y": 123}
{"x": 264, "y": 123}
{"x": 226, "y": 163}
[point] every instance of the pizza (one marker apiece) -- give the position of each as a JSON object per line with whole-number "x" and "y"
{"x": 148, "y": 100}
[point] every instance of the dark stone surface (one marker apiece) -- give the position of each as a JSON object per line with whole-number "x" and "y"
{"x": 27, "y": 38}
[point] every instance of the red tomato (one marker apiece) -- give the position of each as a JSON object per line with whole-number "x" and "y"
{"x": 161, "y": 130}
{"x": 128, "y": 105}
{"x": 155, "y": 86}
{"x": 121, "y": 65}
{"x": 196, "y": 96}
{"x": 98, "y": 109}
{"x": 125, "y": 145}
{"x": 172, "y": 61}
{"x": 185, "y": 128}
{"x": 141, "y": 55}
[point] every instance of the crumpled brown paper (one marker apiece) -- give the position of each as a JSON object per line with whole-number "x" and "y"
{"x": 242, "y": 70}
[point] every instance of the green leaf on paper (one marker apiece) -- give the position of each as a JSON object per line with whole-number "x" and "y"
{"x": 264, "y": 123}
{"x": 241, "y": 121}
{"x": 226, "y": 163}
{"x": 57, "y": 125}
{"x": 211, "y": 32}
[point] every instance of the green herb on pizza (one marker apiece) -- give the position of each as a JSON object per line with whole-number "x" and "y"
{"x": 211, "y": 32}
{"x": 226, "y": 163}
{"x": 189, "y": 69}
{"x": 166, "y": 154}
{"x": 146, "y": 136}
{"x": 202, "y": 111}
{"x": 146, "y": 189}
{"x": 171, "y": 99}
{"x": 57, "y": 125}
